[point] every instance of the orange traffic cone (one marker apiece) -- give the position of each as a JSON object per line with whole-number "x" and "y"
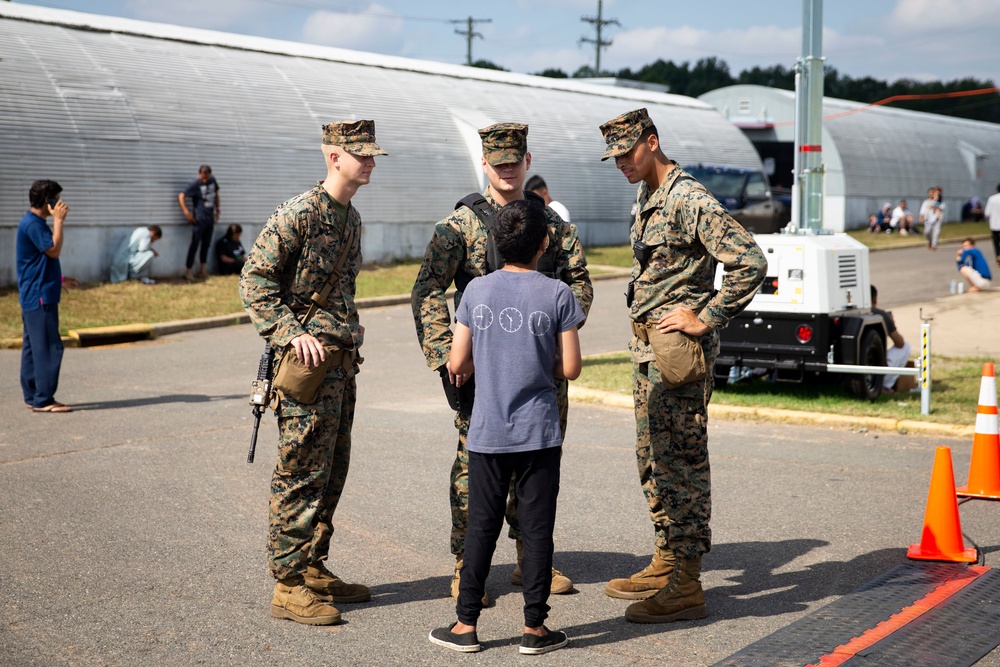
{"x": 984, "y": 470}
{"x": 942, "y": 537}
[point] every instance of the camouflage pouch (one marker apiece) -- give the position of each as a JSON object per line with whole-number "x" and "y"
{"x": 301, "y": 382}
{"x": 679, "y": 356}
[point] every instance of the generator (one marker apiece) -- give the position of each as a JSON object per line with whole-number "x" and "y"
{"x": 813, "y": 311}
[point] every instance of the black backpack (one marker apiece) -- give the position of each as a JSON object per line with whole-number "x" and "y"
{"x": 477, "y": 203}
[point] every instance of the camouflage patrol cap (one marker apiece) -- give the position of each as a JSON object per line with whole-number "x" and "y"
{"x": 621, "y": 133}
{"x": 504, "y": 143}
{"x": 356, "y": 137}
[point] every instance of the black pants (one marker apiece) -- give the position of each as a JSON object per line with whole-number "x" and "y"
{"x": 201, "y": 233}
{"x": 996, "y": 243}
{"x": 536, "y": 484}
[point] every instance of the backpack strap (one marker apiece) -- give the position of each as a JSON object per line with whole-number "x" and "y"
{"x": 477, "y": 203}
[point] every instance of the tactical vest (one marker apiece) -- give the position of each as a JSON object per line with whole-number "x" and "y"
{"x": 478, "y": 204}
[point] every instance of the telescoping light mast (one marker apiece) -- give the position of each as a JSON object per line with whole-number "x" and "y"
{"x": 809, "y": 172}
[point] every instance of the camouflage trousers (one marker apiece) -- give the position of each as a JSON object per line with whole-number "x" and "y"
{"x": 671, "y": 449}
{"x": 459, "y": 494}
{"x": 314, "y": 454}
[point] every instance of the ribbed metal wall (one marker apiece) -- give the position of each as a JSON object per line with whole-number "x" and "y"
{"x": 880, "y": 154}
{"x": 121, "y": 113}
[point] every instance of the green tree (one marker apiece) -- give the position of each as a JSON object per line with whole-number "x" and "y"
{"x": 708, "y": 74}
{"x": 553, "y": 73}
{"x": 488, "y": 64}
{"x": 775, "y": 76}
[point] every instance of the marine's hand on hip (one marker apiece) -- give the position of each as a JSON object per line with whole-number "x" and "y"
{"x": 683, "y": 319}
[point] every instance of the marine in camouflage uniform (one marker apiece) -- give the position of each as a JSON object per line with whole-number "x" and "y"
{"x": 688, "y": 234}
{"x": 293, "y": 258}
{"x": 459, "y": 244}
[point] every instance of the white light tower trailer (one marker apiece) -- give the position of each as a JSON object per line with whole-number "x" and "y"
{"x": 814, "y": 311}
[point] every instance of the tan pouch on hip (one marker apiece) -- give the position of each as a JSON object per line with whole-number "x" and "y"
{"x": 679, "y": 356}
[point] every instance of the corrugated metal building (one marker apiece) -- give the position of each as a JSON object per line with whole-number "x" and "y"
{"x": 874, "y": 155}
{"x": 122, "y": 112}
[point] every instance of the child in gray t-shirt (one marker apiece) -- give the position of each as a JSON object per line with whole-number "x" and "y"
{"x": 517, "y": 329}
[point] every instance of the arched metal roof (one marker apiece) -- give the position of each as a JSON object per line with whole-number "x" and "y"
{"x": 122, "y": 112}
{"x": 876, "y": 154}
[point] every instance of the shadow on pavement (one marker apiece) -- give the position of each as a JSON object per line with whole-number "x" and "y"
{"x": 758, "y": 590}
{"x": 154, "y": 400}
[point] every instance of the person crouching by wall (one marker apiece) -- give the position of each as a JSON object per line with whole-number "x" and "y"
{"x": 230, "y": 252}
{"x": 134, "y": 255}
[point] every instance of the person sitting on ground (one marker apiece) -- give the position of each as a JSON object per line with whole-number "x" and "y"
{"x": 134, "y": 255}
{"x": 972, "y": 210}
{"x": 899, "y": 353}
{"x": 902, "y": 219}
{"x": 973, "y": 266}
{"x": 229, "y": 251}
{"x": 883, "y": 217}
{"x": 537, "y": 185}
{"x": 517, "y": 329}
{"x": 873, "y": 226}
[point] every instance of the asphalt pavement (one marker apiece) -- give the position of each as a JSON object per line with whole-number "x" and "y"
{"x": 132, "y": 530}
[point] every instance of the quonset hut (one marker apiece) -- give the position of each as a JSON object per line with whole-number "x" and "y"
{"x": 872, "y": 155}
{"x": 122, "y": 112}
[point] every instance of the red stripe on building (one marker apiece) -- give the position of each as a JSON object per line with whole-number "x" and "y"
{"x": 868, "y": 638}
{"x": 810, "y": 149}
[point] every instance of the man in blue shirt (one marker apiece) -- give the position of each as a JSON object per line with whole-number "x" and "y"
{"x": 973, "y": 266}
{"x": 39, "y": 285}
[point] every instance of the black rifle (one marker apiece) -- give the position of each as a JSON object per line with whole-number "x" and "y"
{"x": 260, "y": 394}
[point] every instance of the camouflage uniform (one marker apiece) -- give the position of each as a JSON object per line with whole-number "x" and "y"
{"x": 692, "y": 234}
{"x": 459, "y": 243}
{"x": 292, "y": 258}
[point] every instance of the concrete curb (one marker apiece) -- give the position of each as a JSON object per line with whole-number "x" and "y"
{"x": 721, "y": 411}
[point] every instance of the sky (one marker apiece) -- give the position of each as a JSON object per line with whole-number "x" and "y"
{"x": 885, "y": 39}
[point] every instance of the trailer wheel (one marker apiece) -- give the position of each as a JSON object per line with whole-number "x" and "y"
{"x": 872, "y": 354}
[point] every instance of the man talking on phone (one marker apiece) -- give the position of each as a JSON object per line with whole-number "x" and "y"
{"x": 39, "y": 286}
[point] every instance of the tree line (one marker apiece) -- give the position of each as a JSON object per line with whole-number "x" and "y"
{"x": 711, "y": 73}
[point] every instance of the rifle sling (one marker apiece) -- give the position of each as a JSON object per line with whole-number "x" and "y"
{"x": 320, "y": 299}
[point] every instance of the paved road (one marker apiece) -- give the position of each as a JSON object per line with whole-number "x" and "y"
{"x": 132, "y": 530}
{"x": 910, "y": 275}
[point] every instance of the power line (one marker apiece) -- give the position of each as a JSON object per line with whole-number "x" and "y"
{"x": 598, "y": 22}
{"x": 469, "y": 33}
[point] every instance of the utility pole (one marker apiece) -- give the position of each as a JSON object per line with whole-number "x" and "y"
{"x": 598, "y": 22}
{"x": 469, "y": 33}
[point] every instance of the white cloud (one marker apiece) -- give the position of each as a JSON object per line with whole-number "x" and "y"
{"x": 932, "y": 15}
{"x": 377, "y": 29}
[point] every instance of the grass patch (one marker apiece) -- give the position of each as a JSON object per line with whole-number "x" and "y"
{"x": 954, "y": 391}
{"x": 610, "y": 255}
{"x": 130, "y": 302}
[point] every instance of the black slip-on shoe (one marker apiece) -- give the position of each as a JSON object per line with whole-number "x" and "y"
{"x": 467, "y": 642}
{"x": 535, "y": 645}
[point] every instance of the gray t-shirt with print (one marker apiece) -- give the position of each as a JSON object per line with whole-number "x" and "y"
{"x": 515, "y": 319}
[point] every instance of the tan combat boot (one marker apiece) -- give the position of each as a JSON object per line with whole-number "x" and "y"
{"x": 561, "y": 584}
{"x": 681, "y": 600}
{"x": 295, "y": 601}
{"x": 457, "y": 579}
{"x": 331, "y": 588}
{"x": 645, "y": 583}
